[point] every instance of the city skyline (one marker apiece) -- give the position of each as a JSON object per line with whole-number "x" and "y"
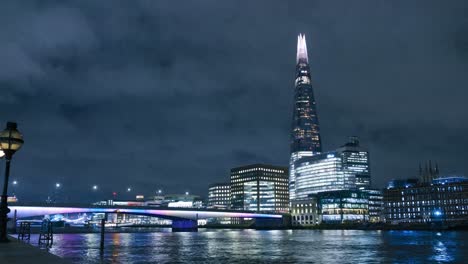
{"x": 142, "y": 97}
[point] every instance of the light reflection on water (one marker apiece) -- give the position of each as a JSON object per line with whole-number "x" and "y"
{"x": 247, "y": 246}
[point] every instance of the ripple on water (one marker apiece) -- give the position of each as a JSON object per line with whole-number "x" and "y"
{"x": 250, "y": 246}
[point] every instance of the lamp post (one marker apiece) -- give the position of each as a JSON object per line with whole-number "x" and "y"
{"x": 11, "y": 140}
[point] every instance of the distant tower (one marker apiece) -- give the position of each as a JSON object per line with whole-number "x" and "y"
{"x": 305, "y": 133}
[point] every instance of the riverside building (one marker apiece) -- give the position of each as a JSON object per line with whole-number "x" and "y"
{"x": 304, "y": 212}
{"x": 219, "y": 195}
{"x": 260, "y": 188}
{"x": 376, "y": 205}
{"x": 346, "y": 168}
{"x": 346, "y": 206}
{"x": 443, "y": 200}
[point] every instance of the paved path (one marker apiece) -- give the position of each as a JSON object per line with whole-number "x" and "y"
{"x": 16, "y": 252}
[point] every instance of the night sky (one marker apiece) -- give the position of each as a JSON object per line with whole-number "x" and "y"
{"x": 172, "y": 94}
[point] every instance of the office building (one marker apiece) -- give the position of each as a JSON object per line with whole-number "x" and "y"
{"x": 219, "y": 195}
{"x": 355, "y": 162}
{"x": 346, "y": 168}
{"x": 376, "y": 206}
{"x": 305, "y": 132}
{"x": 443, "y": 200}
{"x": 260, "y": 188}
{"x": 338, "y": 207}
{"x": 304, "y": 212}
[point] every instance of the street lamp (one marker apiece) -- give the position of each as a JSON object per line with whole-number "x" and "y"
{"x": 129, "y": 189}
{"x": 57, "y": 185}
{"x": 11, "y": 141}
{"x": 95, "y": 187}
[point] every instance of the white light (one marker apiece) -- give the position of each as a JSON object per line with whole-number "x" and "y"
{"x": 186, "y": 193}
{"x": 57, "y": 185}
{"x": 129, "y": 189}
{"x": 159, "y": 191}
{"x": 15, "y": 182}
{"x": 95, "y": 187}
{"x": 1, "y": 153}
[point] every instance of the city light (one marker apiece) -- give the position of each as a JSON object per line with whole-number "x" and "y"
{"x": 159, "y": 191}
{"x": 58, "y": 185}
{"x": 437, "y": 213}
{"x": 15, "y": 182}
{"x": 129, "y": 189}
{"x": 186, "y": 193}
{"x": 95, "y": 187}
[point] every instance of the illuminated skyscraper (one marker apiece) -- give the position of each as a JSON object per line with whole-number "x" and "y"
{"x": 305, "y": 135}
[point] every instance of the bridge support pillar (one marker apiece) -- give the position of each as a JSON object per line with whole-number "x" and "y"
{"x": 184, "y": 225}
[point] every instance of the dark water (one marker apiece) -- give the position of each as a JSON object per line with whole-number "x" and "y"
{"x": 249, "y": 246}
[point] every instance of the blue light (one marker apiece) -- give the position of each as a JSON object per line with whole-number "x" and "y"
{"x": 437, "y": 213}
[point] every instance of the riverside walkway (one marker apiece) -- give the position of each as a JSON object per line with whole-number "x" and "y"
{"x": 16, "y": 252}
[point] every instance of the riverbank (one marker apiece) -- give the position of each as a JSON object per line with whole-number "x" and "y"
{"x": 21, "y": 253}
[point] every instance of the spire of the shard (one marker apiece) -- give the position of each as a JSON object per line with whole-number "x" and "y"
{"x": 302, "y": 49}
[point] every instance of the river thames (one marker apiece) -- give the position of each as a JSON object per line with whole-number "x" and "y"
{"x": 251, "y": 246}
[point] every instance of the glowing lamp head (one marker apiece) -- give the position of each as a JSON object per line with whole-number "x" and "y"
{"x": 57, "y": 185}
{"x": 437, "y": 213}
{"x": 11, "y": 140}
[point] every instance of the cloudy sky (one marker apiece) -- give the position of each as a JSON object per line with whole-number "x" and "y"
{"x": 172, "y": 94}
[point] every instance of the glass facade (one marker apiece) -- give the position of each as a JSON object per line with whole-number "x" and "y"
{"x": 338, "y": 207}
{"x": 305, "y": 134}
{"x": 356, "y": 163}
{"x": 260, "y": 188}
{"x": 292, "y": 171}
{"x": 347, "y": 168}
{"x": 219, "y": 195}
{"x": 376, "y": 206}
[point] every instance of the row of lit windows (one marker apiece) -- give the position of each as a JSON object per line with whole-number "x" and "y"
{"x": 260, "y": 169}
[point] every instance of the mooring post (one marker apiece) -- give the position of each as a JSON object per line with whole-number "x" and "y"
{"x": 103, "y": 224}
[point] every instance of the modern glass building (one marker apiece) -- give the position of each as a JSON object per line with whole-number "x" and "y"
{"x": 346, "y": 206}
{"x": 219, "y": 195}
{"x": 444, "y": 200}
{"x": 260, "y": 188}
{"x": 355, "y": 162}
{"x": 305, "y": 132}
{"x": 376, "y": 206}
{"x": 346, "y": 168}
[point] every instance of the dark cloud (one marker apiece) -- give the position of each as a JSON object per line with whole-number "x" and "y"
{"x": 155, "y": 95}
